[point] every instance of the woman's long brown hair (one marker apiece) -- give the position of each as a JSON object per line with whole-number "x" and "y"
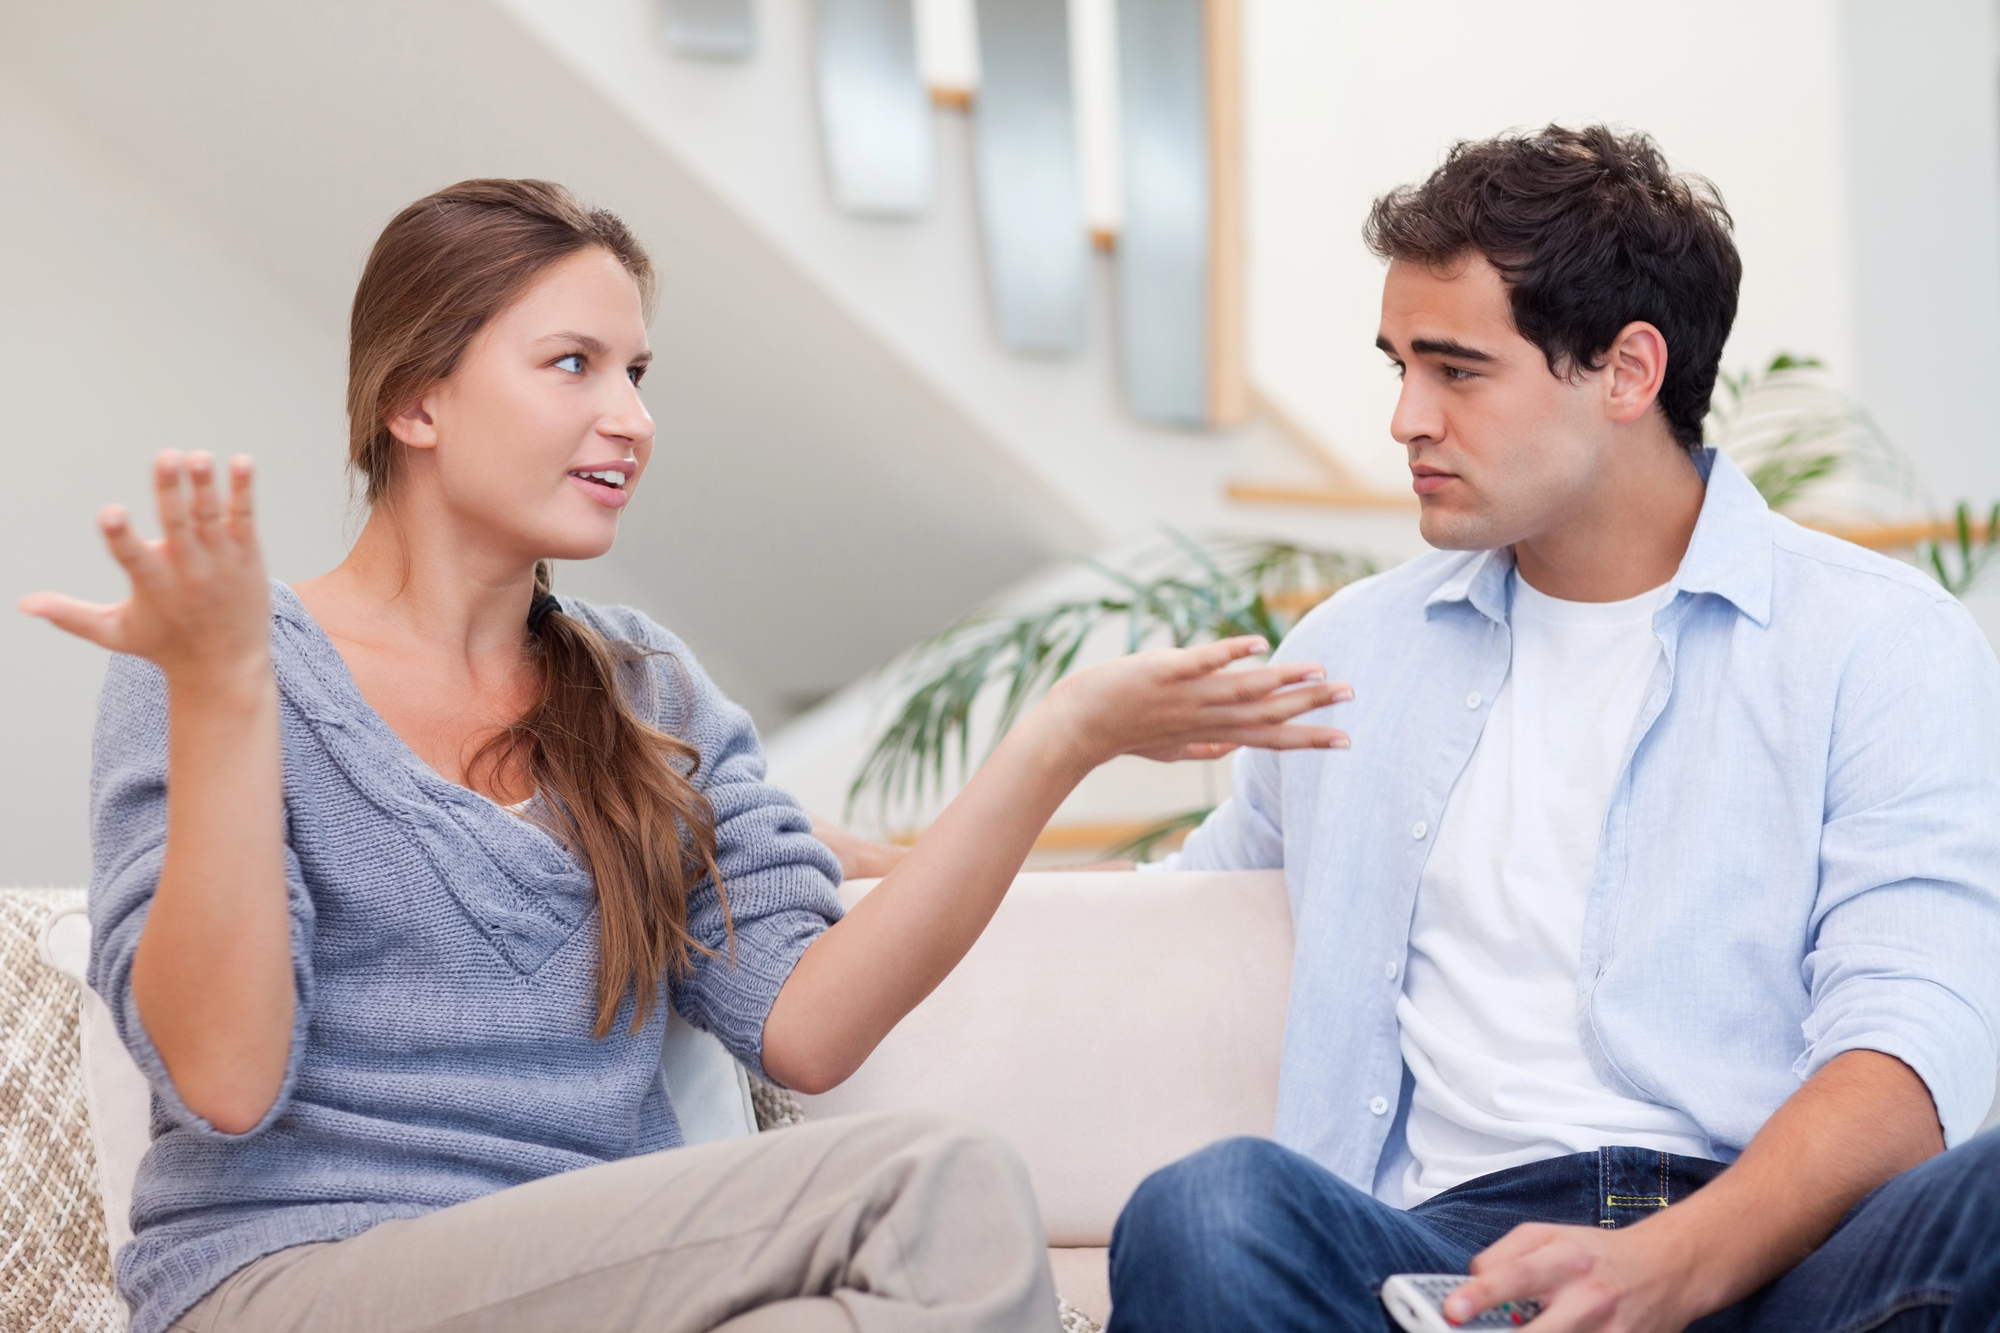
{"x": 617, "y": 791}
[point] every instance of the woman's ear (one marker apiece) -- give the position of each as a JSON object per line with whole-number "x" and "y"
{"x": 413, "y": 425}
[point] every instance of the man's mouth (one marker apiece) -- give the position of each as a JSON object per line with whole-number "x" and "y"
{"x": 1428, "y": 480}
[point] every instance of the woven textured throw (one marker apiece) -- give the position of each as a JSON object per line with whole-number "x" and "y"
{"x": 1075, "y": 1320}
{"x": 55, "y": 1273}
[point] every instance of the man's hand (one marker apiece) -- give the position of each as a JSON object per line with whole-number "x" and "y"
{"x": 1627, "y": 1281}
{"x": 1861, "y": 1120}
{"x": 859, "y": 858}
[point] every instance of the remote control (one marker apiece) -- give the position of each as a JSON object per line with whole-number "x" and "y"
{"x": 1416, "y": 1301}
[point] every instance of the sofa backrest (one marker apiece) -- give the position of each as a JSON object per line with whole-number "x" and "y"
{"x": 1106, "y": 1024}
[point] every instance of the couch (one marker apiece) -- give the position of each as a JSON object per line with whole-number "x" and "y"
{"x": 1106, "y": 1024}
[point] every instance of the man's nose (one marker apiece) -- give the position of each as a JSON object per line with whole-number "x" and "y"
{"x": 1416, "y": 419}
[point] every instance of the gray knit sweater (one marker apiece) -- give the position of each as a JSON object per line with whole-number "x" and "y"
{"x": 445, "y": 954}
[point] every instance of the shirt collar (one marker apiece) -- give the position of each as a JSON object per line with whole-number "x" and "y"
{"x": 1728, "y": 555}
{"x": 1730, "y": 552}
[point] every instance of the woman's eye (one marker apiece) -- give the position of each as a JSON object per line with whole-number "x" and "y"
{"x": 573, "y": 363}
{"x": 635, "y": 373}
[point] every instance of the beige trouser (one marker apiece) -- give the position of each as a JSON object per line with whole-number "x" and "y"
{"x": 889, "y": 1222}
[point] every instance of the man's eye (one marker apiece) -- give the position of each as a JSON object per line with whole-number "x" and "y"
{"x": 1396, "y": 368}
{"x": 1454, "y": 373}
{"x": 573, "y": 363}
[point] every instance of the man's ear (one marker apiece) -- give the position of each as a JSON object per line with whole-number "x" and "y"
{"x": 413, "y": 425}
{"x": 1634, "y": 369}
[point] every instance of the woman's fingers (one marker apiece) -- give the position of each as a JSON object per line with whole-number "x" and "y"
{"x": 167, "y": 495}
{"x": 1293, "y": 737}
{"x": 139, "y": 559}
{"x": 102, "y": 625}
{"x": 1215, "y": 656}
{"x": 240, "y": 486}
{"x": 206, "y": 506}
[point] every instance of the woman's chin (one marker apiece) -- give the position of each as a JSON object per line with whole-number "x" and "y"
{"x": 577, "y": 545}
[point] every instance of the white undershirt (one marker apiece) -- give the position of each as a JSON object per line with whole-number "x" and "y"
{"x": 1489, "y": 1010}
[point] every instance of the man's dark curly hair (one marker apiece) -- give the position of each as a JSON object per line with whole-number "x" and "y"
{"x": 1591, "y": 231}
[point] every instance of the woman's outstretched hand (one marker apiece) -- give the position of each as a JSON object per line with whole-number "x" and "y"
{"x": 212, "y": 973}
{"x": 857, "y": 980}
{"x": 200, "y": 605}
{"x": 1181, "y": 703}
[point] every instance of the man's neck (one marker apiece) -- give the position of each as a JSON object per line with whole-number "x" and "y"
{"x": 1625, "y": 538}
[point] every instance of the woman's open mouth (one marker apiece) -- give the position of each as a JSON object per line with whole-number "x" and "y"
{"x": 604, "y": 485}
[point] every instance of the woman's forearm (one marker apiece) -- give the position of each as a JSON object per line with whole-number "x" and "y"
{"x": 212, "y": 975}
{"x": 858, "y": 979}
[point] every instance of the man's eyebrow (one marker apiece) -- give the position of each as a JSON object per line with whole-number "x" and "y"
{"x": 1457, "y": 351}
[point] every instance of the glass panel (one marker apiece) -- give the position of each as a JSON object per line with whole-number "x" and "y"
{"x": 712, "y": 29}
{"x": 1163, "y": 247}
{"x": 1029, "y": 203}
{"x": 875, "y": 119}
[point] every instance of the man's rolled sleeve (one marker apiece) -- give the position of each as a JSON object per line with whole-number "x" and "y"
{"x": 1245, "y": 832}
{"x": 1906, "y": 927}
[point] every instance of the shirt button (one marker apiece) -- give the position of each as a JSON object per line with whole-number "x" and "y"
{"x": 1472, "y": 699}
{"x": 1390, "y": 970}
{"x": 1418, "y": 829}
{"x": 1378, "y": 1106}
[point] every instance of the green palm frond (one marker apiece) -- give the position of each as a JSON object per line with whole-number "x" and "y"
{"x": 1790, "y": 429}
{"x": 1142, "y": 845}
{"x": 1961, "y": 564}
{"x": 1004, "y": 660}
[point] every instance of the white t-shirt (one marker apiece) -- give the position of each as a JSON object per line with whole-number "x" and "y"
{"x": 1489, "y": 1012}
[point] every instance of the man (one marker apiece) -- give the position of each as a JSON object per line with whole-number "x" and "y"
{"x": 1652, "y": 924}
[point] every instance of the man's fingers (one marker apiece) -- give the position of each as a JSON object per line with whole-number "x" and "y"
{"x": 102, "y": 625}
{"x": 1539, "y": 1271}
{"x": 1519, "y": 1241}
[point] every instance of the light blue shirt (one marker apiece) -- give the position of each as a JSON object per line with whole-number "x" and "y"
{"x": 1801, "y": 856}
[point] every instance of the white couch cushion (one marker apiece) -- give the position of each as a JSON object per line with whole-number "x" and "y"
{"x": 1106, "y": 1024}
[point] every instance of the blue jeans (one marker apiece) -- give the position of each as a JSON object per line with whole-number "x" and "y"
{"x": 1249, "y": 1237}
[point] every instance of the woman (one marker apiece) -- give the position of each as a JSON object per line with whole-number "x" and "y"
{"x": 397, "y": 871}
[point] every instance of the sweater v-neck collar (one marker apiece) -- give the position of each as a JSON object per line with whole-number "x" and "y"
{"x": 521, "y": 886}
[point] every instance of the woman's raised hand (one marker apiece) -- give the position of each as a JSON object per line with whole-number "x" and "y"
{"x": 1181, "y": 703}
{"x": 200, "y": 604}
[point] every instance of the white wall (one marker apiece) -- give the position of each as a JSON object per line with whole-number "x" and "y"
{"x": 124, "y": 331}
{"x": 1348, "y": 98}
{"x": 1922, "y": 127}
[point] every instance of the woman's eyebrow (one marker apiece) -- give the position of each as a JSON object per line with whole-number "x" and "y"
{"x": 594, "y": 346}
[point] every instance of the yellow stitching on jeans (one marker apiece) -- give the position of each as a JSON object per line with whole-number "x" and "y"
{"x": 1635, "y": 1200}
